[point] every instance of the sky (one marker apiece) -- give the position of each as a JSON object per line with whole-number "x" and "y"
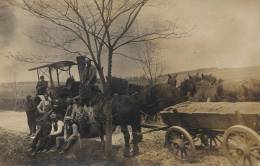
{"x": 221, "y": 33}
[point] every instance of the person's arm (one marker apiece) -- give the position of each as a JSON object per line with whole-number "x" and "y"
{"x": 65, "y": 132}
{"x": 39, "y": 107}
{"x": 52, "y": 129}
{"x": 75, "y": 130}
{"x": 59, "y": 130}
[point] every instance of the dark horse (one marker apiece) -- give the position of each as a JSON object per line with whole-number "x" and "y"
{"x": 127, "y": 110}
{"x": 125, "y": 113}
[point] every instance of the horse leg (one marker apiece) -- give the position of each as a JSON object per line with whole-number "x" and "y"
{"x": 125, "y": 131}
{"x": 136, "y": 138}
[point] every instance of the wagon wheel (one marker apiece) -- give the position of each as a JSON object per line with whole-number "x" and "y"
{"x": 242, "y": 146}
{"x": 211, "y": 139}
{"x": 180, "y": 143}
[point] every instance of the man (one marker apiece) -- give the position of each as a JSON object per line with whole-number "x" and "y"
{"x": 70, "y": 135}
{"x": 69, "y": 108}
{"x": 56, "y": 131}
{"x": 42, "y": 86}
{"x": 77, "y": 110}
{"x": 89, "y": 74}
{"x": 45, "y": 105}
{"x": 30, "y": 113}
{"x": 41, "y": 137}
{"x": 80, "y": 117}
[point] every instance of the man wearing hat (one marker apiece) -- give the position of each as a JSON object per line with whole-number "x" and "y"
{"x": 56, "y": 131}
{"x": 70, "y": 136}
{"x": 42, "y": 86}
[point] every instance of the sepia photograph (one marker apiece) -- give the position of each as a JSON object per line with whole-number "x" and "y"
{"x": 129, "y": 82}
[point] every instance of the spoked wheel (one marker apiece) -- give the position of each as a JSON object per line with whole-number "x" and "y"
{"x": 211, "y": 139}
{"x": 242, "y": 146}
{"x": 180, "y": 143}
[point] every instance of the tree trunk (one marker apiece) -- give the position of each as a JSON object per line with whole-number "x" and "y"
{"x": 108, "y": 147}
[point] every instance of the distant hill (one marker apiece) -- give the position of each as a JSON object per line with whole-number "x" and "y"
{"x": 227, "y": 74}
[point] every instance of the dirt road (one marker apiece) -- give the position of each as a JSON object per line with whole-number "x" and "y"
{"x": 13, "y": 120}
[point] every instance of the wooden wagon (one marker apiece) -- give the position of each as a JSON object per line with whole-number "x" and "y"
{"x": 234, "y": 126}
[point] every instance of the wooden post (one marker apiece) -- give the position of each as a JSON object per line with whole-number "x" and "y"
{"x": 38, "y": 74}
{"x": 69, "y": 71}
{"x": 51, "y": 80}
{"x": 58, "y": 79}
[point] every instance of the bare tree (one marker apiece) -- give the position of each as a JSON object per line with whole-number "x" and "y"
{"x": 97, "y": 28}
{"x": 151, "y": 62}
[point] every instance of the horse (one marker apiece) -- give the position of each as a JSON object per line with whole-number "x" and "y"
{"x": 125, "y": 113}
{"x": 127, "y": 110}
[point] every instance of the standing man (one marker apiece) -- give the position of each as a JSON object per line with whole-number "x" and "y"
{"x": 30, "y": 112}
{"x": 42, "y": 86}
{"x": 45, "y": 105}
{"x": 89, "y": 74}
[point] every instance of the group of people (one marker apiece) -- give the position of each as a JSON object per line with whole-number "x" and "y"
{"x": 49, "y": 130}
{"x": 54, "y": 133}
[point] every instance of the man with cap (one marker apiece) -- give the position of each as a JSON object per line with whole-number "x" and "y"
{"x": 42, "y": 86}
{"x": 56, "y": 131}
{"x": 70, "y": 136}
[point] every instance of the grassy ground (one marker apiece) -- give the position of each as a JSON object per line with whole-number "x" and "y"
{"x": 14, "y": 147}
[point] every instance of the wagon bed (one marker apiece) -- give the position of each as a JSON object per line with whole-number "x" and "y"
{"x": 213, "y": 116}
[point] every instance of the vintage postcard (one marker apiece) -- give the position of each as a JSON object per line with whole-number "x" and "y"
{"x": 130, "y": 82}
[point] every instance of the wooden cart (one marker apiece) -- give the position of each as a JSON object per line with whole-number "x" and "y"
{"x": 234, "y": 126}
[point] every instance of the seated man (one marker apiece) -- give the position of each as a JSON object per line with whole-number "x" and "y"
{"x": 77, "y": 110}
{"x": 41, "y": 137}
{"x": 56, "y": 131}
{"x": 80, "y": 117}
{"x": 69, "y": 108}
{"x": 70, "y": 135}
{"x": 42, "y": 86}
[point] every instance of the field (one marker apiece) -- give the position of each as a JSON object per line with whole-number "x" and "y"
{"x": 14, "y": 149}
{"x": 239, "y": 84}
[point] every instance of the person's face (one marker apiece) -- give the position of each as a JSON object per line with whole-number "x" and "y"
{"x": 42, "y": 78}
{"x": 46, "y": 97}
